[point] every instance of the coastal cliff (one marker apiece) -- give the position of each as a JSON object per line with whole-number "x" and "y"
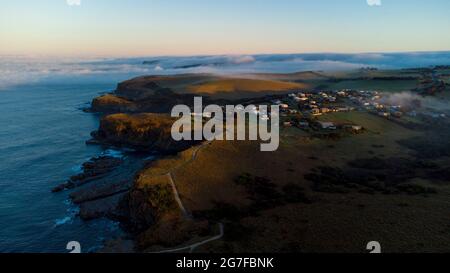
{"x": 159, "y": 94}
{"x": 143, "y": 132}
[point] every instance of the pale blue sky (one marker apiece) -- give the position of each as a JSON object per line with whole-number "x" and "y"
{"x": 186, "y": 27}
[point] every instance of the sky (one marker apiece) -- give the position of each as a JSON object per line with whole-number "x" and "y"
{"x": 207, "y": 27}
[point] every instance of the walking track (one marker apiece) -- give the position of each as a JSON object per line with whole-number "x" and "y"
{"x": 183, "y": 209}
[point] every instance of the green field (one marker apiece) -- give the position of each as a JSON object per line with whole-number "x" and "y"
{"x": 379, "y": 85}
{"x": 369, "y": 121}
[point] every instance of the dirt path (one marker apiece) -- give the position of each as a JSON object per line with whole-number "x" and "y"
{"x": 186, "y": 214}
{"x": 171, "y": 179}
{"x": 192, "y": 247}
{"x": 183, "y": 209}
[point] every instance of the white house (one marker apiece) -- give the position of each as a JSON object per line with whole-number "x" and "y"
{"x": 327, "y": 125}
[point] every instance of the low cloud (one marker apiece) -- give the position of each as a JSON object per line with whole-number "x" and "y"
{"x": 414, "y": 101}
{"x": 374, "y": 3}
{"x": 16, "y": 70}
{"x": 242, "y": 59}
{"x": 74, "y": 2}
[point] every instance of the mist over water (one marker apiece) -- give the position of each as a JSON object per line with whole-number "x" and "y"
{"x": 16, "y": 70}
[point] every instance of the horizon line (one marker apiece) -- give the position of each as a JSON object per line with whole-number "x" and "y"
{"x": 119, "y": 56}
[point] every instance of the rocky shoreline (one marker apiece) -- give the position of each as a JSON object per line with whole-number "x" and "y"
{"x": 131, "y": 118}
{"x": 136, "y": 116}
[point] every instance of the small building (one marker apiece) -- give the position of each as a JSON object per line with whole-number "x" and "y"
{"x": 303, "y": 124}
{"x": 327, "y": 125}
{"x": 357, "y": 128}
{"x": 397, "y": 114}
{"x": 287, "y": 124}
{"x": 354, "y": 128}
{"x": 315, "y": 112}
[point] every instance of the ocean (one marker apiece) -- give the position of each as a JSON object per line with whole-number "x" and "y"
{"x": 42, "y": 136}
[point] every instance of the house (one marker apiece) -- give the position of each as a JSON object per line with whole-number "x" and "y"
{"x": 397, "y": 114}
{"x": 327, "y": 125}
{"x": 287, "y": 124}
{"x": 343, "y": 109}
{"x": 315, "y": 112}
{"x": 354, "y": 128}
{"x": 325, "y": 110}
{"x": 303, "y": 124}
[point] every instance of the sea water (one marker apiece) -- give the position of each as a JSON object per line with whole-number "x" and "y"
{"x": 42, "y": 142}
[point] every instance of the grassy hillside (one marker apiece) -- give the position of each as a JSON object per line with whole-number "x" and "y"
{"x": 276, "y": 208}
{"x": 243, "y": 85}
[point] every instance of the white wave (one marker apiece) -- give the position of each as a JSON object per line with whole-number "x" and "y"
{"x": 71, "y": 212}
{"x": 113, "y": 153}
{"x": 63, "y": 221}
{"x": 77, "y": 169}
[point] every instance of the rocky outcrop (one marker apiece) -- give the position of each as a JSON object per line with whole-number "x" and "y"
{"x": 140, "y": 95}
{"x": 105, "y": 207}
{"x": 146, "y": 132}
{"x": 112, "y": 104}
{"x": 146, "y": 204}
{"x": 100, "y": 191}
{"x": 93, "y": 170}
{"x": 159, "y": 94}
